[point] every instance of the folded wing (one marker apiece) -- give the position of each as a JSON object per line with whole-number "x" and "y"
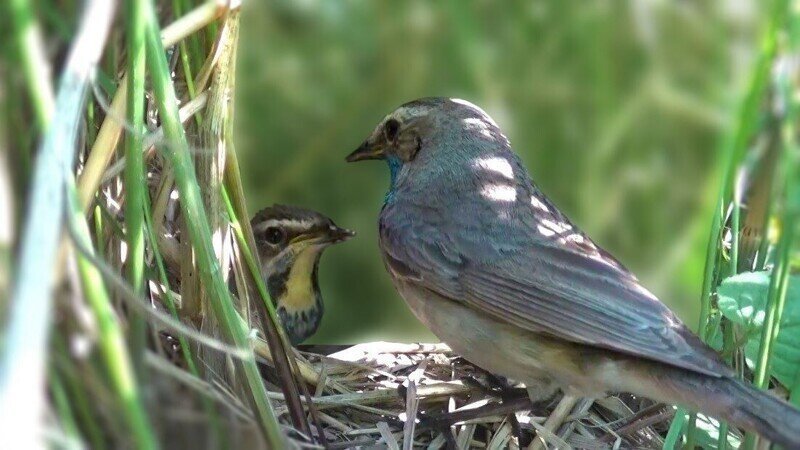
{"x": 553, "y": 283}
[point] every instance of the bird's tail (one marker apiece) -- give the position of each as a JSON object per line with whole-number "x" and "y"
{"x": 739, "y": 403}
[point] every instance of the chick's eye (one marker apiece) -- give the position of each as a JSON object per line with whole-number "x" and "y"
{"x": 391, "y": 128}
{"x": 273, "y": 235}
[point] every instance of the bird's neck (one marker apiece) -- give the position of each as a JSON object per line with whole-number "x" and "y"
{"x": 395, "y": 164}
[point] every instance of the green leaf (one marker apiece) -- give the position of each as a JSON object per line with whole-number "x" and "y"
{"x": 742, "y": 299}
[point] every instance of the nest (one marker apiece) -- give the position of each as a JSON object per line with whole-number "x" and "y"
{"x": 389, "y": 395}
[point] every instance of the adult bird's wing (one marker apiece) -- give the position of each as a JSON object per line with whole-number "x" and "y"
{"x": 560, "y": 284}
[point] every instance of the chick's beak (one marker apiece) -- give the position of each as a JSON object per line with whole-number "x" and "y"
{"x": 366, "y": 151}
{"x": 331, "y": 235}
{"x": 337, "y": 234}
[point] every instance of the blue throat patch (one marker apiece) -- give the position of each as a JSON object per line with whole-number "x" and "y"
{"x": 395, "y": 164}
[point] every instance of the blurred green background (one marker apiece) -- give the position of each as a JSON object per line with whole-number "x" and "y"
{"x": 616, "y": 108}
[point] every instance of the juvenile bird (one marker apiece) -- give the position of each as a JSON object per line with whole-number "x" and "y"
{"x": 290, "y": 242}
{"x": 495, "y": 270}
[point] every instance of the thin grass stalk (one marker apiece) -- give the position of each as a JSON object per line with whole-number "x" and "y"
{"x": 63, "y": 409}
{"x": 12, "y": 103}
{"x": 26, "y": 336}
{"x": 169, "y": 302}
{"x": 91, "y": 117}
{"x": 162, "y": 196}
{"x": 246, "y": 285}
{"x": 110, "y": 223}
{"x": 192, "y": 42}
{"x": 763, "y": 248}
{"x": 728, "y": 345}
{"x": 209, "y": 162}
{"x": 7, "y": 225}
{"x": 99, "y": 235}
{"x": 712, "y": 257}
{"x": 186, "y": 61}
{"x": 728, "y": 338}
{"x": 216, "y": 435}
{"x": 87, "y": 422}
{"x": 736, "y": 209}
{"x": 135, "y": 180}
{"x": 35, "y": 66}
{"x": 773, "y": 192}
{"x": 177, "y": 152}
{"x": 111, "y": 339}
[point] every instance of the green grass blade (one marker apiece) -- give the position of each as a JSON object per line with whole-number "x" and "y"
{"x": 64, "y": 409}
{"x": 33, "y": 60}
{"x": 110, "y": 336}
{"x": 675, "y": 429}
{"x": 135, "y": 180}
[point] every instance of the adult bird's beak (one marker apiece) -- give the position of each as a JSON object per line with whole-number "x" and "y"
{"x": 366, "y": 151}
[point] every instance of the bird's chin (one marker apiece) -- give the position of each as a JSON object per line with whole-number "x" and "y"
{"x": 313, "y": 245}
{"x": 335, "y": 238}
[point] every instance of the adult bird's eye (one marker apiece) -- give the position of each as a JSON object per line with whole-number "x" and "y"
{"x": 391, "y": 128}
{"x": 273, "y": 235}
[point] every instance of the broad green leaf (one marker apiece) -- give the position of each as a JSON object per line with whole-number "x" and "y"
{"x": 742, "y": 299}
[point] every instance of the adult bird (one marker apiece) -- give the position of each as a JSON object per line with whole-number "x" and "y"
{"x": 496, "y": 271}
{"x": 290, "y": 241}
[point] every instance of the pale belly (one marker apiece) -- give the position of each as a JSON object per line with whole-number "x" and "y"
{"x": 541, "y": 363}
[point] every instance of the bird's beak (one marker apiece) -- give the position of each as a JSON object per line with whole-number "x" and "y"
{"x": 333, "y": 235}
{"x": 366, "y": 151}
{"x": 337, "y": 234}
